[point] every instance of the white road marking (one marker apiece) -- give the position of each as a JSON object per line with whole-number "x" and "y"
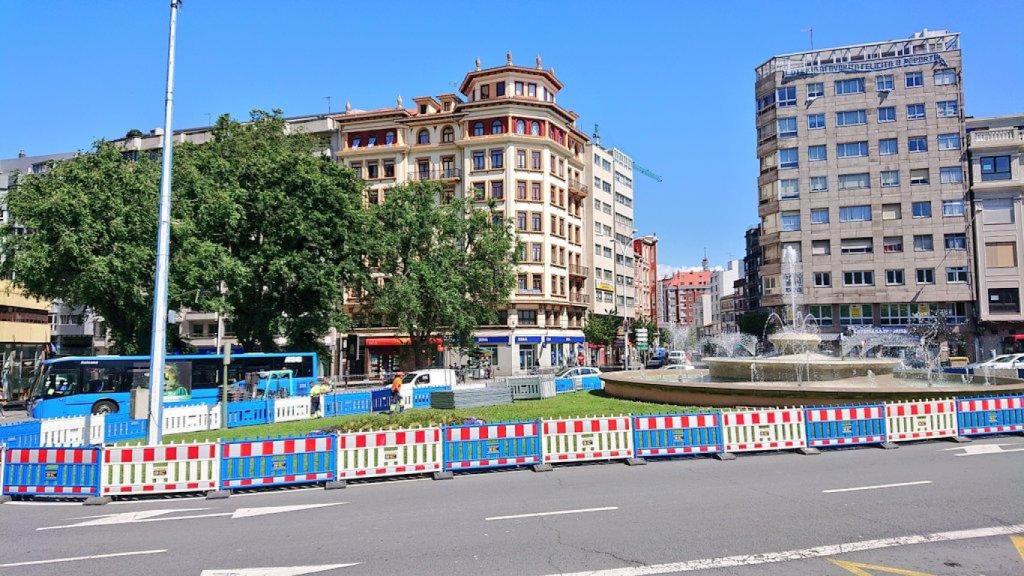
{"x": 555, "y": 513}
{"x": 876, "y": 487}
{"x": 980, "y": 449}
{"x": 277, "y": 571}
{"x": 77, "y": 558}
{"x": 146, "y": 516}
{"x": 791, "y": 555}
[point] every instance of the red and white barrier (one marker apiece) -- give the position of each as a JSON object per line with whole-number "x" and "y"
{"x": 161, "y": 469}
{"x": 763, "y": 429}
{"x": 585, "y": 439}
{"x": 920, "y": 419}
{"x": 389, "y": 453}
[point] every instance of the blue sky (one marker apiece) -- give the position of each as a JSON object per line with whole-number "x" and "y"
{"x": 671, "y": 83}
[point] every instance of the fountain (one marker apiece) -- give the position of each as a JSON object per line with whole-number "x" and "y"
{"x": 797, "y": 371}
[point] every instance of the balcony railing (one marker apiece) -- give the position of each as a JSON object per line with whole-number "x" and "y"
{"x": 577, "y": 270}
{"x": 1001, "y": 136}
{"x": 577, "y": 187}
{"x": 26, "y": 317}
{"x": 529, "y": 292}
{"x": 437, "y": 174}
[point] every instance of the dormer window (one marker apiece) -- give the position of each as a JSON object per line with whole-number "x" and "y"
{"x": 447, "y": 134}
{"x": 520, "y": 126}
{"x": 423, "y": 108}
{"x": 447, "y": 106}
{"x": 389, "y": 138}
{"x": 535, "y": 128}
{"x": 519, "y": 88}
{"x": 496, "y": 127}
{"x": 499, "y": 89}
{"x": 423, "y": 137}
{"x": 478, "y": 129}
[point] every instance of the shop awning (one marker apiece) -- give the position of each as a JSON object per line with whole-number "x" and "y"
{"x": 492, "y": 340}
{"x": 393, "y": 341}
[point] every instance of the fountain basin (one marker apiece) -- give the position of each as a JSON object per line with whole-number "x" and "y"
{"x": 807, "y": 366}
{"x": 794, "y": 342}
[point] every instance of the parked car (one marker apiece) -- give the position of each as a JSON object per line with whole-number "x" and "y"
{"x": 679, "y": 367}
{"x": 1011, "y": 361}
{"x": 656, "y": 362}
{"x": 677, "y": 357}
{"x": 578, "y": 378}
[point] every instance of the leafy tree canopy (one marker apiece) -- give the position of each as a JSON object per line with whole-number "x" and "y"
{"x": 601, "y": 328}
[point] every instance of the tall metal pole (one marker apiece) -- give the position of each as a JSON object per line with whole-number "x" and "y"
{"x": 163, "y": 242}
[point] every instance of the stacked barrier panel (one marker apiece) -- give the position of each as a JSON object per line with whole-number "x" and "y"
{"x": 389, "y": 453}
{"x": 69, "y": 431}
{"x": 249, "y": 413}
{"x": 920, "y": 419}
{"x": 293, "y": 408}
{"x": 506, "y": 444}
{"x": 119, "y": 427}
{"x": 524, "y": 387}
{"x": 996, "y": 415}
{"x": 677, "y": 434}
{"x": 160, "y": 469}
{"x": 346, "y": 403}
{"x": 300, "y": 460}
{"x": 421, "y": 394}
{"x": 586, "y": 439}
{"x": 20, "y": 435}
{"x": 380, "y": 399}
{"x": 829, "y": 426}
{"x": 51, "y": 471}
{"x": 763, "y": 429}
{"x": 96, "y": 428}
{"x": 180, "y": 418}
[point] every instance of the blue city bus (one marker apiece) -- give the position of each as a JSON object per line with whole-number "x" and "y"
{"x": 78, "y": 385}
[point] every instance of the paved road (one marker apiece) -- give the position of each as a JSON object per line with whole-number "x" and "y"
{"x": 760, "y": 514}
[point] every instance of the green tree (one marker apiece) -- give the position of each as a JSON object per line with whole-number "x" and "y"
{"x": 601, "y": 329}
{"x": 446, "y": 267}
{"x": 754, "y": 322}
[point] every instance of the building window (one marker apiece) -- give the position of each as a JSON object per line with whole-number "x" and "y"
{"x": 886, "y": 114}
{"x": 922, "y": 209}
{"x": 479, "y": 191}
{"x": 357, "y": 141}
{"x": 820, "y": 248}
{"x": 856, "y": 246}
{"x": 372, "y": 171}
{"x": 371, "y": 141}
{"x": 1001, "y": 255}
{"x": 521, "y": 221}
{"x": 357, "y": 167}
{"x": 890, "y": 178}
{"x": 389, "y": 138}
{"x": 423, "y": 169}
{"x": 479, "y": 163}
{"x": 519, "y": 88}
{"x": 531, "y": 90}
{"x": 520, "y": 190}
{"x": 535, "y": 128}
{"x": 997, "y": 210}
{"x": 389, "y": 168}
{"x": 850, "y": 86}
{"x": 822, "y": 279}
{"x": 1004, "y": 300}
{"x": 497, "y": 158}
{"x": 822, "y": 314}
{"x": 815, "y": 121}
{"x": 819, "y": 183}
{"x": 955, "y": 241}
{"x": 814, "y": 153}
{"x": 535, "y": 163}
{"x": 919, "y": 176}
{"x": 819, "y": 215}
{"x": 860, "y": 213}
{"x": 855, "y": 314}
{"x": 944, "y": 77}
{"x": 952, "y": 207}
{"x": 949, "y": 141}
{"x": 892, "y": 244}
{"x": 496, "y": 127}
{"x": 789, "y": 158}
{"x": 923, "y": 243}
{"x": 892, "y": 212}
{"x": 917, "y": 143}
{"x": 521, "y": 159}
{"x": 894, "y": 314}
{"x": 786, "y": 97}
{"x": 423, "y": 137}
{"x": 915, "y": 111}
{"x": 854, "y": 181}
{"x": 535, "y": 222}
{"x": 884, "y": 83}
{"x": 947, "y": 108}
{"x": 788, "y": 189}
{"x": 888, "y": 147}
{"x": 498, "y": 190}
{"x": 995, "y": 168}
{"x": 447, "y": 134}
{"x": 851, "y": 149}
{"x": 956, "y": 274}
{"x": 894, "y": 277}
{"x": 815, "y": 90}
{"x": 851, "y": 118}
{"x": 926, "y": 276}
{"x": 520, "y": 126}
{"x": 914, "y": 79}
{"x": 478, "y": 129}
{"x": 859, "y": 278}
{"x": 527, "y": 317}
{"x": 535, "y": 192}
{"x": 951, "y": 175}
{"x": 786, "y": 127}
{"x": 485, "y": 91}
{"x": 499, "y": 89}
{"x": 790, "y": 221}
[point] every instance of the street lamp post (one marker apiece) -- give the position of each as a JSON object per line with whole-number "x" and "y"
{"x": 159, "y": 335}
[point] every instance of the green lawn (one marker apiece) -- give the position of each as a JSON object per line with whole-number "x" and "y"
{"x": 562, "y": 406}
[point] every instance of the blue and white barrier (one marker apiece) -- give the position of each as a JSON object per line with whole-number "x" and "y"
{"x": 277, "y": 462}
{"x": 830, "y": 426}
{"x": 996, "y": 415}
{"x": 343, "y": 403}
{"x": 249, "y": 413}
{"x": 677, "y": 434}
{"x": 478, "y": 446}
{"x": 59, "y": 472}
{"x": 21, "y": 434}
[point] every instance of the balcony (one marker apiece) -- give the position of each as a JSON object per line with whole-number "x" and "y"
{"x": 436, "y": 174}
{"x": 580, "y": 299}
{"x": 577, "y": 270}
{"x": 578, "y": 188}
{"x": 529, "y": 292}
{"x": 1001, "y": 138}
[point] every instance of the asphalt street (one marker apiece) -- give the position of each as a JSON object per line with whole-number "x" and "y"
{"x": 925, "y": 509}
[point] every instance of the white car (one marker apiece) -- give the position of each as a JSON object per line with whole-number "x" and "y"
{"x": 677, "y": 357}
{"x": 1004, "y": 361}
{"x": 679, "y": 367}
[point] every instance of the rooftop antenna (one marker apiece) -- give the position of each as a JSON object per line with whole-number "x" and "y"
{"x": 328, "y": 98}
{"x": 810, "y": 33}
{"x": 209, "y": 119}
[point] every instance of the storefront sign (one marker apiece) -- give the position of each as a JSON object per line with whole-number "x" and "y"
{"x": 492, "y": 340}
{"x": 528, "y": 339}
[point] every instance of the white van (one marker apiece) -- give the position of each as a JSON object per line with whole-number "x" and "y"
{"x": 430, "y": 377}
{"x": 677, "y": 357}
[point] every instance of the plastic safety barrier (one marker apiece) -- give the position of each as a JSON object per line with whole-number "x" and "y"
{"x": 380, "y": 399}
{"x": 845, "y": 425}
{"x": 51, "y": 471}
{"x": 677, "y": 434}
{"x": 248, "y": 413}
{"x": 293, "y": 408}
{"x": 186, "y": 418}
{"x": 161, "y": 469}
{"x": 119, "y": 427}
{"x": 472, "y": 447}
{"x": 584, "y": 439}
{"x": 763, "y": 429}
{"x": 920, "y": 419}
{"x": 996, "y": 415}
{"x": 563, "y": 385}
{"x": 389, "y": 453}
{"x": 20, "y": 435}
{"x": 70, "y": 431}
{"x": 421, "y": 394}
{"x": 346, "y": 403}
{"x": 524, "y": 387}
{"x": 301, "y": 460}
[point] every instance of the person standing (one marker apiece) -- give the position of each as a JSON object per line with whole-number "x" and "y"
{"x": 580, "y": 358}
{"x": 396, "y": 392}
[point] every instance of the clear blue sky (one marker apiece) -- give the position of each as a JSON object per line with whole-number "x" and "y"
{"x": 671, "y": 83}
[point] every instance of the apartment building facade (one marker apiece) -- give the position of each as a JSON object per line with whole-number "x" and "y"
{"x": 721, "y": 291}
{"x": 680, "y": 295}
{"x": 503, "y": 138}
{"x": 610, "y": 231}
{"x": 862, "y": 173}
{"x": 996, "y": 151}
{"x": 645, "y": 254}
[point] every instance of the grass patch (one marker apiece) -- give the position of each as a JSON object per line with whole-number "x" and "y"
{"x": 595, "y": 403}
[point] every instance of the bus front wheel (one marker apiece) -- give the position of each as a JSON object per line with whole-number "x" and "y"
{"x": 104, "y": 407}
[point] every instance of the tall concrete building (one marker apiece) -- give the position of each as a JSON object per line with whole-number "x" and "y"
{"x": 721, "y": 289}
{"x": 862, "y": 174}
{"x": 996, "y": 148}
{"x": 645, "y": 253}
{"x": 680, "y": 295}
{"x": 610, "y": 235}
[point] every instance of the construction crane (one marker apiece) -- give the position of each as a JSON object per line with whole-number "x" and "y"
{"x": 646, "y": 172}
